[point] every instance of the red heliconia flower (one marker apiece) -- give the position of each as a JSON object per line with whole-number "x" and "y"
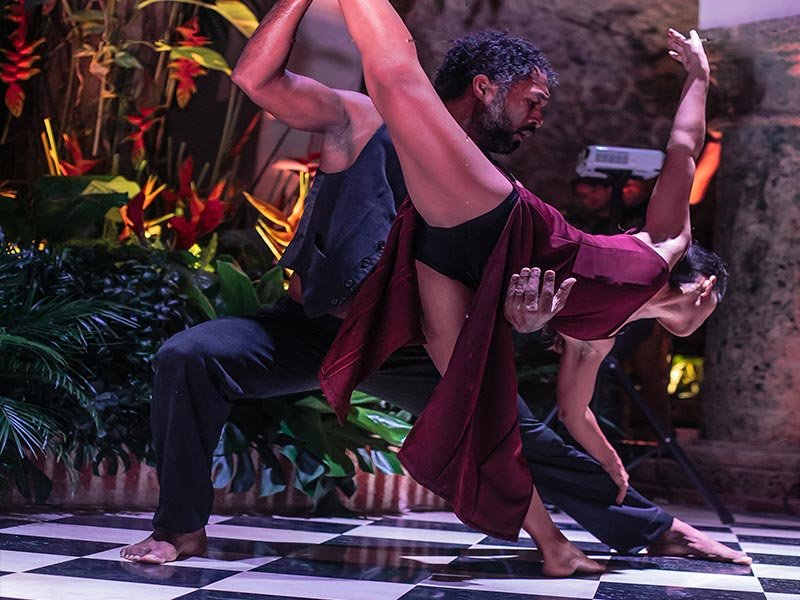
{"x": 19, "y": 61}
{"x": 143, "y": 122}
{"x": 79, "y": 165}
{"x": 184, "y": 70}
{"x": 135, "y": 214}
{"x": 189, "y": 32}
{"x": 248, "y": 132}
{"x": 204, "y": 218}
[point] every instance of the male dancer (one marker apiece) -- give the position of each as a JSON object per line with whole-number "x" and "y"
{"x": 200, "y": 371}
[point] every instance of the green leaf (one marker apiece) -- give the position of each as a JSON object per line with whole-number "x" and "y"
{"x": 117, "y": 184}
{"x": 386, "y": 426}
{"x": 365, "y": 460}
{"x": 387, "y": 462}
{"x": 245, "y": 476}
{"x": 126, "y": 60}
{"x": 63, "y": 209}
{"x": 234, "y": 11}
{"x": 236, "y": 289}
{"x": 201, "y": 301}
{"x": 270, "y": 286}
{"x": 206, "y": 57}
{"x": 314, "y": 403}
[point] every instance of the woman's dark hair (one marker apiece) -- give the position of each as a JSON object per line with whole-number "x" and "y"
{"x": 504, "y": 59}
{"x": 700, "y": 261}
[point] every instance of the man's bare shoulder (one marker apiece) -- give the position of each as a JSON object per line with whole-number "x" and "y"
{"x": 341, "y": 146}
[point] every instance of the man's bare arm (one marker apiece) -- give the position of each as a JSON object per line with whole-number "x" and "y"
{"x": 299, "y": 102}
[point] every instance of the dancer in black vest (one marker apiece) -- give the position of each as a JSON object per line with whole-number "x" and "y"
{"x": 200, "y": 371}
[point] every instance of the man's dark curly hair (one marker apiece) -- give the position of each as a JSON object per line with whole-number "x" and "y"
{"x": 504, "y": 59}
{"x": 700, "y": 261}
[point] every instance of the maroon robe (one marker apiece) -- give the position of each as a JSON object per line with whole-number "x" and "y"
{"x": 466, "y": 445}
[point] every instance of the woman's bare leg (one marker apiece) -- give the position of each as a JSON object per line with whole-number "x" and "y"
{"x": 561, "y": 557}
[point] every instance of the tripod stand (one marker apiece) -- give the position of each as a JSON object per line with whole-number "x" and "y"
{"x": 666, "y": 441}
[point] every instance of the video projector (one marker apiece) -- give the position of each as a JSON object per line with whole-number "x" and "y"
{"x": 598, "y": 161}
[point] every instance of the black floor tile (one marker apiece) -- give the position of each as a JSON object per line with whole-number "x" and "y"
{"x": 778, "y": 541}
{"x": 45, "y": 545}
{"x": 118, "y": 522}
{"x": 11, "y": 522}
{"x": 423, "y": 592}
{"x": 222, "y": 595}
{"x": 782, "y": 586}
{"x": 245, "y": 548}
{"x": 113, "y": 570}
{"x": 291, "y": 524}
{"x": 776, "y": 559}
{"x": 408, "y": 573}
{"x": 417, "y": 524}
{"x": 400, "y": 545}
{"x": 667, "y": 563}
{"x": 626, "y": 591}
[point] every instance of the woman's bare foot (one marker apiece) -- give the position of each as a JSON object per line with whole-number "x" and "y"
{"x": 684, "y": 540}
{"x": 565, "y": 559}
{"x": 161, "y": 547}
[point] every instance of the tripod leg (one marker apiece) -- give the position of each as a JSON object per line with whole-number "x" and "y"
{"x": 683, "y": 460}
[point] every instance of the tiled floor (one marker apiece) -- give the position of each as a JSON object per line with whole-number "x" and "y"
{"x": 421, "y": 556}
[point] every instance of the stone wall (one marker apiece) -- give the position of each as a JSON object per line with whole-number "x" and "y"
{"x": 618, "y": 86}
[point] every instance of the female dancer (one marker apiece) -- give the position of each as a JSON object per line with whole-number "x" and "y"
{"x": 463, "y": 447}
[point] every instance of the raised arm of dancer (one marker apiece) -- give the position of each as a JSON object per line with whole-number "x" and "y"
{"x": 577, "y": 374}
{"x": 667, "y": 217}
{"x": 299, "y": 102}
{"x": 448, "y": 177}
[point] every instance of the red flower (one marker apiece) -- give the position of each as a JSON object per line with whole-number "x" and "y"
{"x": 19, "y": 62}
{"x": 143, "y": 122}
{"x": 204, "y": 218}
{"x": 189, "y": 32}
{"x": 80, "y": 165}
{"x": 184, "y": 70}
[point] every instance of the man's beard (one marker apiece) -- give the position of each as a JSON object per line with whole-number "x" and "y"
{"x": 495, "y": 130}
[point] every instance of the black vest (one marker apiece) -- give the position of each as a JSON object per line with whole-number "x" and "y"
{"x": 345, "y": 224}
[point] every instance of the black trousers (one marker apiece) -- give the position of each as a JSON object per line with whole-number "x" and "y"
{"x": 201, "y": 371}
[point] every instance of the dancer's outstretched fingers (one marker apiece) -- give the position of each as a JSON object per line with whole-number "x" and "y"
{"x": 532, "y": 290}
{"x": 560, "y": 300}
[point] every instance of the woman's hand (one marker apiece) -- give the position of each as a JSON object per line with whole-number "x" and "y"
{"x": 689, "y": 52}
{"x": 616, "y": 470}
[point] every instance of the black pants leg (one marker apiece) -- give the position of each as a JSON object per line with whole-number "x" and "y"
{"x": 199, "y": 372}
{"x": 571, "y": 479}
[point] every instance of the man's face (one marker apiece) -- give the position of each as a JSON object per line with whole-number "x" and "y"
{"x": 511, "y": 116}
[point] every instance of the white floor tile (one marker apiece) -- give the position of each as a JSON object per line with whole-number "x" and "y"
{"x": 30, "y": 586}
{"x": 12, "y": 561}
{"x": 779, "y": 549}
{"x": 334, "y": 520}
{"x": 777, "y": 596}
{"x": 776, "y": 571}
{"x": 264, "y": 534}
{"x": 433, "y": 517}
{"x": 79, "y": 532}
{"x": 708, "y": 581}
{"x": 412, "y": 534}
{"x": 774, "y": 533}
{"x": 563, "y": 588}
{"x": 242, "y": 564}
{"x": 278, "y": 584}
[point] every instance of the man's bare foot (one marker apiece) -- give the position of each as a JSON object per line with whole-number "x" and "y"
{"x": 565, "y": 559}
{"x": 684, "y": 540}
{"x": 161, "y": 547}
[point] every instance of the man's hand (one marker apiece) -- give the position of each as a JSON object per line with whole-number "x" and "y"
{"x": 528, "y": 308}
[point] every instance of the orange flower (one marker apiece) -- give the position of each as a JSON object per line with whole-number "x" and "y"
{"x": 189, "y": 32}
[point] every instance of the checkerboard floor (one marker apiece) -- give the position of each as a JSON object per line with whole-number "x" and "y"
{"x": 419, "y": 556}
